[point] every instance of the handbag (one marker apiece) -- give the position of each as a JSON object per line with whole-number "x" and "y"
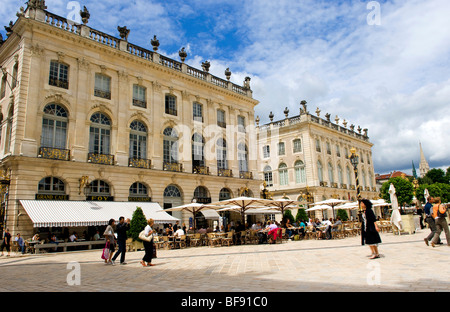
{"x": 106, "y": 252}
{"x": 143, "y": 237}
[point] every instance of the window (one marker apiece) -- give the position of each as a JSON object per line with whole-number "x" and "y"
{"x": 297, "y": 143}
{"x": 320, "y": 171}
{"x": 171, "y": 104}
{"x": 224, "y": 194}
{"x": 170, "y": 146}
{"x": 51, "y": 185}
{"x": 201, "y": 194}
{"x": 328, "y": 148}
{"x": 100, "y": 134}
{"x": 349, "y": 177}
{"x": 102, "y": 86}
{"x": 172, "y": 191}
{"x": 340, "y": 176}
{"x": 198, "y": 144}
{"x": 3, "y": 86}
{"x": 346, "y": 153}
{"x": 330, "y": 173}
{"x": 221, "y": 148}
{"x": 283, "y": 172}
{"x": 266, "y": 151}
{"x": 300, "y": 172}
{"x": 281, "y": 149}
{"x": 243, "y": 157}
{"x": 139, "y": 96}
{"x": 338, "y": 151}
{"x": 318, "y": 149}
{"x": 241, "y": 124}
{"x": 268, "y": 176}
{"x": 14, "y": 75}
{"x": 138, "y": 140}
{"x": 99, "y": 188}
{"x": 54, "y": 127}
{"x": 59, "y": 75}
{"x": 221, "y": 122}
{"x": 197, "y": 112}
{"x": 138, "y": 190}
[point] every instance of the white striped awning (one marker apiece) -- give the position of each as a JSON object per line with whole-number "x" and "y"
{"x": 45, "y": 213}
{"x": 210, "y": 214}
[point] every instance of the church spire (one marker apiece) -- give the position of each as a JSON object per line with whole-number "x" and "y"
{"x": 423, "y": 166}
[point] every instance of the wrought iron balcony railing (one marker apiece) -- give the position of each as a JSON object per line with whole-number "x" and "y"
{"x": 54, "y": 153}
{"x": 103, "y": 159}
{"x": 177, "y": 167}
{"x": 224, "y": 172}
{"x": 200, "y": 170}
{"x": 139, "y": 163}
{"x": 245, "y": 175}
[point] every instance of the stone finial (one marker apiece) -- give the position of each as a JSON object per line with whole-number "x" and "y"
{"x": 359, "y": 129}
{"x": 336, "y": 119}
{"x": 318, "y": 112}
{"x": 345, "y": 123}
{"x": 85, "y": 15}
{"x": 257, "y": 120}
{"x": 286, "y": 112}
{"x": 247, "y": 83}
{"x": 327, "y": 116}
{"x": 155, "y": 43}
{"x": 366, "y": 132}
{"x": 183, "y": 54}
{"x": 271, "y": 116}
{"x": 124, "y": 32}
{"x": 8, "y": 29}
{"x": 228, "y": 73}
{"x": 37, "y": 4}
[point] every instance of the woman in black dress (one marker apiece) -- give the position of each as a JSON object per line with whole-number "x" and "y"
{"x": 369, "y": 228}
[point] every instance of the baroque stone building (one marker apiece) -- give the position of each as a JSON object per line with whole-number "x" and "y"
{"x": 306, "y": 157}
{"x": 90, "y": 116}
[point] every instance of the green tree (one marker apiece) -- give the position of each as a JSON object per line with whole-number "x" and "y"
{"x": 137, "y": 224}
{"x": 301, "y": 215}
{"x": 288, "y": 215}
{"x": 445, "y": 192}
{"x": 433, "y": 189}
{"x": 437, "y": 175}
{"x": 403, "y": 189}
{"x": 342, "y": 214}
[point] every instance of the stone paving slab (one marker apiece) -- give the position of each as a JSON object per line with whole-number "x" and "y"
{"x": 295, "y": 266}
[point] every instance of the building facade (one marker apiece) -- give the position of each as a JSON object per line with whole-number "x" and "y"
{"x": 306, "y": 158}
{"x": 89, "y": 116}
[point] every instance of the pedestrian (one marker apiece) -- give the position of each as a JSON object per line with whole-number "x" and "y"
{"x": 369, "y": 229}
{"x": 428, "y": 210}
{"x": 439, "y": 213}
{"x": 148, "y": 246}
{"x": 110, "y": 238}
{"x": 20, "y": 243}
{"x": 6, "y": 243}
{"x": 121, "y": 230}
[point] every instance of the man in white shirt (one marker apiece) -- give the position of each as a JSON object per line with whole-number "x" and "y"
{"x": 179, "y": 232}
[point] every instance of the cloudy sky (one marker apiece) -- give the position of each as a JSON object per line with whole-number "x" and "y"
{"x": 383, "y": 65}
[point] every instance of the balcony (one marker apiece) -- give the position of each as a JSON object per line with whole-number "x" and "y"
{"x": 54, "y": 153}
{"x": 59, "y": 83}
{"x": 200, "y": 170}
{"x": 102, "y": 159}
{"x": 245, "y": 175}
{"x": 334, "y": 185}
{"x": 224, "y": 172}
{"x": 176, "y": 167}
{"x": 140, "y": 163}
{"x": 323, "y": 184}
{"x": 139, "y": 103}
{"x": 343, "y": 186}
{"x": 103, "y": 94}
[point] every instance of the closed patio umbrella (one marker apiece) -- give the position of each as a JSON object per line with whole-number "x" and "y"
{"x": 396, "y": 218}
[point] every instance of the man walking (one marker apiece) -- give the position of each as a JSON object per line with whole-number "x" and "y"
{"x": 121, "y": 230}
{"x": 440, "y": 212}
{"x": 428, "y": 209}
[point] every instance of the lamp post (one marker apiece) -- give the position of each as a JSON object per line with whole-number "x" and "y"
{"x": 354, "y": 160}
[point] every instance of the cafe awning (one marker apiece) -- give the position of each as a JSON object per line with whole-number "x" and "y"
{"x": 87, "y": 213}
{"x": 210, "y": 214}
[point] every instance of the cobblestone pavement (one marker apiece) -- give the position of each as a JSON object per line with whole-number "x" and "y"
{"x": 296, "y": 266}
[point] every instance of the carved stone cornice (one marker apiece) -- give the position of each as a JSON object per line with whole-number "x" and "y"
{"x": 83, "y": 63}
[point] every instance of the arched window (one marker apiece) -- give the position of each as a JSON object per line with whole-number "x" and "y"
{"x": 340, "y": 175}
{"x": 224, "y": 194}
{"x": 243, "y": 157}
{"x": 51, "y": 185}
{"x": 300, "y": 172}
{"x": 138, "y": 140}
{"x": 221, "y": 150}
{"x": 268, "y": 176}
{"x": 170, "y": 146}
{"x": 330, "y": 173}
{"x": 172, "y": 191}
{"x": 138, "y": 189}
{"x": 283, "y": 172}
{"x": 201, "y": 195}
{"x": 100, "y": 134}
{"x": 54, "y": 127}
{"x": 99, "y": 188}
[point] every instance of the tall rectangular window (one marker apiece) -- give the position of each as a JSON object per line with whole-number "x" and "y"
{"x": 281, "y": 149}
{"x": 59, "y": 75}
{"x": 102, "y": 86}
{"x": 266, "y": 151}
{"x": 3, "y": 87}
{"x": 221, "y": 122}
{"x": 139, "y": 96}
{"x": 241, "y": 124}
{"x": 297, "y": 145}
{"x": 171, "y": 104}
{"x": 197, "y": 112}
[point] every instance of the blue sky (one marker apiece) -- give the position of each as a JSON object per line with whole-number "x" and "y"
{"x": 392, "y": 78}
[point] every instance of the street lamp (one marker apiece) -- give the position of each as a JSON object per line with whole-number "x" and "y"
{"x": 354, "y": 160}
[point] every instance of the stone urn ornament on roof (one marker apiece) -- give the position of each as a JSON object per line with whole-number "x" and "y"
{"x": 155, "y": 43}
{"x": 85, "y": 15}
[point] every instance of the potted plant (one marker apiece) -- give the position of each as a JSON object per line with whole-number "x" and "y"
{"x": 137, "y": 224}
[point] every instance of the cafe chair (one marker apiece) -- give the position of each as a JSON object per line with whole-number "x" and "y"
{"x": 228, "y": 240}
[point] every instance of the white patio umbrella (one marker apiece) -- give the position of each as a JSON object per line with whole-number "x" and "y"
{"x": 396, "y": 218}
{"x": 333, "y": 202}
{"x": 283, "y": 204}
{"x": 319, "y": 207}
{"x": 193, "y": 208}
{"x": 349, "y": 206}
{"x": 426, "y": 194}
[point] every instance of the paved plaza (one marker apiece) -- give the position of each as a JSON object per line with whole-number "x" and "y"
{"x": 337, "y": 265}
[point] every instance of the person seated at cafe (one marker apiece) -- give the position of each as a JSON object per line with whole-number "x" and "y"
{"x": 202, "y": 230}
{"x": 325, "y": 233}
{"x": 53, "y": 239}
{"x": 35, "y": 237}
{"x": 289, "y": 228}
{"x": 20, "y": 242}
{"x": 96, "y": 236}
{"x": 335, "y": 226}
{"x": 73, "y": 237}
{"x": 170, "y": 229}
{"x": 256, "y": 226}
{"x": 302, "y": 228}
{"x": 179, "y": 232}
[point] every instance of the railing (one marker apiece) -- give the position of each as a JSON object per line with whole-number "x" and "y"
{"x": 334, "y": 185}
{"x": 245, "y": 175}
{"x": 139, "y": 103}
{"x": 194, "y": 72}
{"x": 102, "y": 94}
{"x": 167, "y": 62}
{"x": 200, "y": 170}
{"x": 140, "y": 52}
{"x": 219, "y": 82}
{"x": 224, "y": 172}
{"x": 140, "y": 163}
{"x": 103, "y": 38}
{"x": 59, "y": 83}
{"x": 54, "y": 153}
{"x": 167, "y": 166}
{"x": 103, "y": 159}
{"x": 343, "y": 186}
{"x": 323, "y": 184}
{"x": 61, "y": 22}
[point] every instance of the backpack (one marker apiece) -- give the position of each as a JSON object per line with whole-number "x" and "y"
{"x": 442, "y": 211}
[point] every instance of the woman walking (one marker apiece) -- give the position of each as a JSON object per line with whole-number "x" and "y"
{"x": 369, "y": 228}
{"x": 148, "y": 246}
{"x": 111, "y": 239}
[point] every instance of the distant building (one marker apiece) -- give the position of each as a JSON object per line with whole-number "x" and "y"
{"x": 423, "y": 166}
{"x": 380, "y": 179}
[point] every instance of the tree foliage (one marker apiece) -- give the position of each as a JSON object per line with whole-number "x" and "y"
{"x": 301, "y": 215}
{"x": 137, "y": 224}
{"x": 342, "y": 213}
{"x": 403, "y": 189}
